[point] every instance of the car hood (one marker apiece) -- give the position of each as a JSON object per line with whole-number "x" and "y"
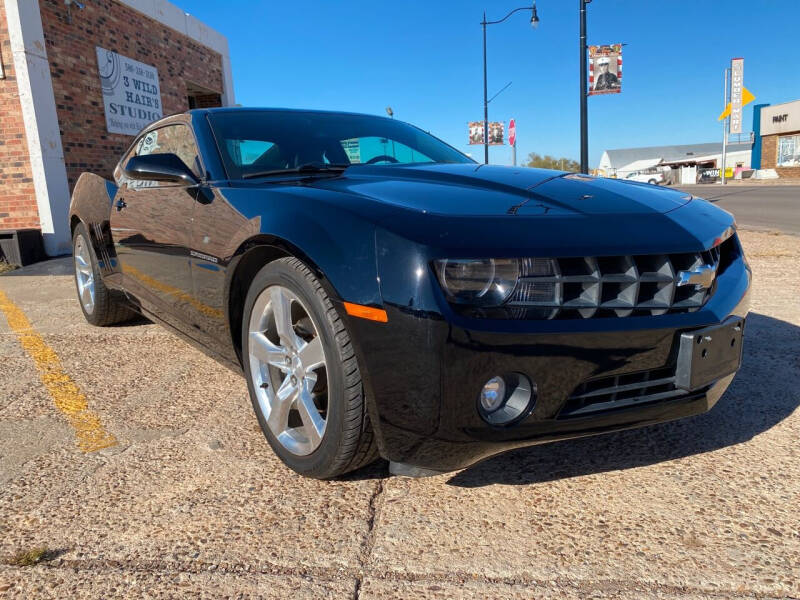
{"x": 474, "y": 210}
{"x": 483, "y": 190}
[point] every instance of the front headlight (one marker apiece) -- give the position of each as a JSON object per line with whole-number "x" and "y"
{"x": 481, "y": 282}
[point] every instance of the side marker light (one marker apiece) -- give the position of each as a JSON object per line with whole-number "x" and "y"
{"x": 366, "y": 312}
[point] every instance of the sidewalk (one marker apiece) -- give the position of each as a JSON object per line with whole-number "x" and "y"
{"x": 779, "y": 181}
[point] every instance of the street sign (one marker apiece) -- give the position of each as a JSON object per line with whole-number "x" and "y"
{"x": 512, "y": 132}
{"x": 737, "y": 81}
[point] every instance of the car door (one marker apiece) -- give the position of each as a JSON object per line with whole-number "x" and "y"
{"x": 217, "y": 229}
{"x": 151, "y": 224}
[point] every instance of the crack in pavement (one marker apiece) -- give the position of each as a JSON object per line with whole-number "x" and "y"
{"x": 332, "y": 574}
{"x": 369, "y": 542}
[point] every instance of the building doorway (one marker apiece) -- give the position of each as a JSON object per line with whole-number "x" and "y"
{"x": 198, "y": 96}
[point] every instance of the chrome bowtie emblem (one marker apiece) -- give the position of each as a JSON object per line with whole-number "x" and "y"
{"x": 702, "y": 276}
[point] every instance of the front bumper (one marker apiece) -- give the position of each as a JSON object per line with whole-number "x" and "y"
{"x": 423, "y": 371}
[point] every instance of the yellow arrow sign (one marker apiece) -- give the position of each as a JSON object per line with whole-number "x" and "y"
{"x": 747, "y": 98}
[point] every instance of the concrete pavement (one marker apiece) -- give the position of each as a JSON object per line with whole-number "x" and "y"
{"x": 760, "y": 207}
{"x": 190, "y": 501}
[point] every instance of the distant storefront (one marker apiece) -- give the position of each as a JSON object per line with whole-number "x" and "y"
{"x": 78, "y": 81}
{"x": 686, "y": 163}
{"x": 780, "y": 138}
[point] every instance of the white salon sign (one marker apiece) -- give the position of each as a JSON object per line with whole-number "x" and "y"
{"x": 131, "y": 92}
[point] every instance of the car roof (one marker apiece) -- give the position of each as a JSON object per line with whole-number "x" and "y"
{"x": 235, "y": 109}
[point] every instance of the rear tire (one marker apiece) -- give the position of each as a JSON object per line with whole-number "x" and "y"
{"x": 311, "y": 410}
{"x": 100, "y": 306}
{"x": 652, "y": 182}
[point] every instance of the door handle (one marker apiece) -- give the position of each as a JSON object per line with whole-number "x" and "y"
{"x": 120, "y": 204}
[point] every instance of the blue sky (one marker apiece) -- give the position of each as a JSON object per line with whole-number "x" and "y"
{"x": 424, "y": 59}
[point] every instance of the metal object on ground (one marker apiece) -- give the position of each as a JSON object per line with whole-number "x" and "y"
{"x": 21, "y": 247}
{"x": 406, "y": 470}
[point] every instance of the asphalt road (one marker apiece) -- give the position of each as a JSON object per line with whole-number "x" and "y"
{"x": 137, "y": 462}
{"x": 762, "y": 207}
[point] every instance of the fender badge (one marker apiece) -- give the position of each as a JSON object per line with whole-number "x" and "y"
{"x": 202, "y": 256}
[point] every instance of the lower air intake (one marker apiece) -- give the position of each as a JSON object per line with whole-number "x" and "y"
{"x": 621, "y": 391}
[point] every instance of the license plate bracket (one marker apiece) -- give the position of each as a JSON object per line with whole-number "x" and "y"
{"x": 708, "y": 354}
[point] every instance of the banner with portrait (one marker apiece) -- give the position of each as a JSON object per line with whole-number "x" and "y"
{"x": 496, "y": 133}
{"x": 605, "y": 69}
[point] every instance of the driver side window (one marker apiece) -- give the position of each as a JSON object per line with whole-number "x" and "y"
{"x": 172, "y": 139}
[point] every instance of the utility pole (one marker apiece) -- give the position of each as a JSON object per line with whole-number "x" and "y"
{"x": 584, "y": 91}
{"x": 485, "y": 99}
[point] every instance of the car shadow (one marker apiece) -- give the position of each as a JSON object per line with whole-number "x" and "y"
{"x": 765, "y": 392}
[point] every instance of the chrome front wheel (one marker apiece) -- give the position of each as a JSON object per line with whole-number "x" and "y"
{"x": 302, "y": 373}
{"x": 288, "y": 369}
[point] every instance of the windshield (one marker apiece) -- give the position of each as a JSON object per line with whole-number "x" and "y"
{"x": 256, "y": 141}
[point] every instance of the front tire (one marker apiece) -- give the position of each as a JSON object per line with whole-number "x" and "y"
{"x": 302, "y": 374}
{"x": 99, "y": 304}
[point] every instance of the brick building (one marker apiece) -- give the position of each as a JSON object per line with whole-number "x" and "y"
{"x": 777, "y": 143}
{"x": 77, "y": 81}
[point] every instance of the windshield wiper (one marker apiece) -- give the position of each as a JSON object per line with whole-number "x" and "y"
{"x": 310, "y": 168}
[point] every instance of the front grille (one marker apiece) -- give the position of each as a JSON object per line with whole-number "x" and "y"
{"x": 619, "y": 391}
{"x": 612, "y": 286}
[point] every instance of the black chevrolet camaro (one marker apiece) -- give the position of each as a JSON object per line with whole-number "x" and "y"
{"x": 385, "y": 295}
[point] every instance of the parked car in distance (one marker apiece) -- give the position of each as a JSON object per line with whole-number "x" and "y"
{"x": 385, "y": 295}
{"x": 652, "y": 177}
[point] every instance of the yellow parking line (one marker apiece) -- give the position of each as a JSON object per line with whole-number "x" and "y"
{"x": 65, "y": 393}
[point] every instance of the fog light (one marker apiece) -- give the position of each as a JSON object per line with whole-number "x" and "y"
{"x": 493, "y": 394}
{"x": 506, "y": 398}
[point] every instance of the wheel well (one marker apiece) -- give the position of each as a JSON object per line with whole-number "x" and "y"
{"x": 73, "y": 223}
{"x": 250, "y": 263}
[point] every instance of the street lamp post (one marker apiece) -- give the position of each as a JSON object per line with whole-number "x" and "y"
{"x": 584, "y": 81}
{"x": 584, "y": 92}
{"x": 484, "y": 23}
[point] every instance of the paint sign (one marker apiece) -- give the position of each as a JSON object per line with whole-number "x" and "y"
{"x": 352, "y": 148}
{"x": 131, "y": 92}
{"x": 737, "y": 85}
{"x": 605, "y": 69}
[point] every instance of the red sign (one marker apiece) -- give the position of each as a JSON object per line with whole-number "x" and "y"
{"x": 512, "y": 132}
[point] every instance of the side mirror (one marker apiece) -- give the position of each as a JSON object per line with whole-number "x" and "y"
{"x": 160, "y": 167}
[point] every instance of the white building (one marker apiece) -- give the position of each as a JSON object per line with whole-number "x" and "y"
{"x": 622, "y": 162}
